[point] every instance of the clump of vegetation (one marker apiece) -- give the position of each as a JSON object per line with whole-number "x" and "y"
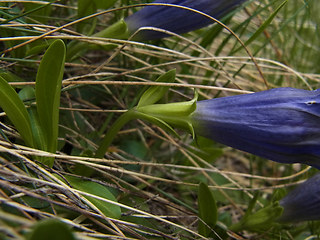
{"x": 95, "y": 141}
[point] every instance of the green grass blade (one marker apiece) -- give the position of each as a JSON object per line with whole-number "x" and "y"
{"x": 264, "y": 25}
{"x": 16, "y": 111}
{"x": 48, "y": 89}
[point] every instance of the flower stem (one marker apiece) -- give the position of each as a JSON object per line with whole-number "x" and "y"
{"x": 114, "y": 129}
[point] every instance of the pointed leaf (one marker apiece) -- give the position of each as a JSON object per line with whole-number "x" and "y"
{"x": 155, "y": 93}
{"x": 10, "y": 77}
{"x": 108, "y": 209}
{"x": 16, "y": 111}
{"x": 252, "y": 204}
{"x": 264, "y": 25}
{"x": 48, "y": 89}
{"x": 208, "y": 212}
{"x": 38, "y": 46}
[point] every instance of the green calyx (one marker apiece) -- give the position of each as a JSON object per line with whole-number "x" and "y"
{"x": 165, "y": 116}
{"x": 118, "y": 30}
{"x": 173, "y": 114}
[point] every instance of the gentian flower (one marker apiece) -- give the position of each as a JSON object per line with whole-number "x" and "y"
{"x": 281, "y": 124}
{"x": 303, "y": 203}
{"x": 178, "y": 20}
{"x": 169, "y": 18}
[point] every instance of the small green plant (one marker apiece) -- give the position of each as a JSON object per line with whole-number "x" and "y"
{"x": 39, "y": 127}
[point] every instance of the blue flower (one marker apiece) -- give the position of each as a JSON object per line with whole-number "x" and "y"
{"x": 282, "y": 124}
{"x": 178, "y": 20}
{"x": 303, "y": 203}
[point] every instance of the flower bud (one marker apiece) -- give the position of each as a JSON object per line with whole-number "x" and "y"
{"x": 178, "y": 20}
{"x": 281, "y": 124}
{"x": 303, "y": 203}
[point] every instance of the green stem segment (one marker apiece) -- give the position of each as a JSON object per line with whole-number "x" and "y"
{"x": 162, "y": 115}
{"x": 121, "y": 121}
{"x": 115, "y": 128}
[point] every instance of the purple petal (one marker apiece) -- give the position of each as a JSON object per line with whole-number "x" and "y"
{"x": 303, "y": 203}
{"x": 281, "y": 124}
{"x": 178, "y": 20}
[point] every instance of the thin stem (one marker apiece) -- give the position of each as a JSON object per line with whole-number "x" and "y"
{"x": 114, "y": 129}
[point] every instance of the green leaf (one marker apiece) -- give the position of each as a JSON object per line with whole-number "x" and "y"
{"x": 38, "y": 136}
{"x": 208, "y": 211}
{"x": 10, "y": 77}
{"x": 38, "y": 46}
{"x": 27, "y": 93}
{"x": 82, "y": 170}
{"x": 16, "y": 111}
{"x": 155, "y": 93}
{"x": 135, "y": 148}
{"x": 51, "y": 229}
{"x": 108, "y": 209}
{"x": 35, "y": 202}
{"x": 251, "y": 205}
{"x": 48, "y": 89}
